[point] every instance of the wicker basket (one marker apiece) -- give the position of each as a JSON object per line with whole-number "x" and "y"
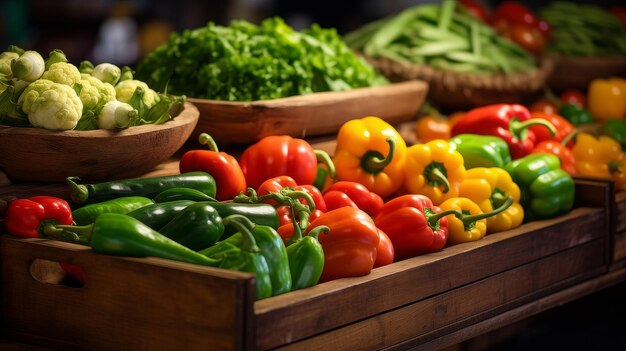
{"x": 577, "y": 72}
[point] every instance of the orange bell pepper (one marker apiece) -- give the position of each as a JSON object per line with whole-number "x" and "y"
{"x": 606, "y": 98}
{"x": 371, "y": 152}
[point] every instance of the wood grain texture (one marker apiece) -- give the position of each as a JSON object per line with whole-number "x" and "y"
{"x": 578, "y": 72}
{"x": 125, "y": 303}
{"x": 45, "y": 155}
{"x": 307, "y": 115}
{"x": 328, "y": 306}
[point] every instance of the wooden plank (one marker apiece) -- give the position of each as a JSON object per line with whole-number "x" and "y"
{"x": 619, "y": 246}
{"x": 125, "y": 303}
{"x": 448, "y": 310}
{"x": 620, "y": 200}
{"x": 337, "y": 303}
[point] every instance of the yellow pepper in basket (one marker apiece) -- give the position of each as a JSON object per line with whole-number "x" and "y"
{"x": 371, "y": 152}
{"x": 600, "y": 157}
{"x": 489, "y": 188}
{"x": 434, "y": 169}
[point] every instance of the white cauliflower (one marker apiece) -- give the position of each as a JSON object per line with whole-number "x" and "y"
{"x": 116, "y": 114}
{"x": 95, "y": 93}
{"x": 29, "y": 66}
{"x": 63, "y": 73}
{"x": 107, "y": 72}
{"x": 125, "y": 89}
{"x": 51, "y": 105}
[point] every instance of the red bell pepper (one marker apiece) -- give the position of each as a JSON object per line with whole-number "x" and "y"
{"x": 414, "y": 225}
{"x": 510, "y": 122}
{"x": 276, "y": 184}
{"x": 222, "y": 166}
{"x": 24, "y": 217}
{"x": 563, "y": 127}
{"x": 384, "y": 252}
{"x": 352, "y": 194}
{"x": 568, "y": 160}
{"x": 280, "y": 155}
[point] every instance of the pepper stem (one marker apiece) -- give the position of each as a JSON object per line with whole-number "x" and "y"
{"x": 470, "y": 219}
{"x": 569, "y": 137}
{"x": 517, "y": 127}
{"x": 374, "y": 162}
{"x": 244, "y": 226}
{"x": 206, "y": 139}
{"x": 315, "y": 232}
{"x": 323, "y": 157}
{"x": 614, "y": 166}
{"x": 72, "y": 233}
{"x": 78, "y": 192}
{"x": 434, "y": 175}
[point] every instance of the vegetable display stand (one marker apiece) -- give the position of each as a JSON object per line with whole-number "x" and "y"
{"x": 432, "y": 300}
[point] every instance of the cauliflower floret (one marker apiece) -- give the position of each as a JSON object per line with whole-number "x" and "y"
{"x": 29, "y": 66}
{"x": 62, "y": 72}
{"x": 116, "y": 114}
{"x": 51, "y": 105}
{"x": 125, "y": 89}
{"x": 94, "y": 92}
{"x": 107, "y": 72}
{"x": 5, "y": 62}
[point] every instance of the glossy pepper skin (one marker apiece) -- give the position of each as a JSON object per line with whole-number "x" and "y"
{"x": 271, "y": 247}
{"x": 510, "y": 122}
{"x": 556, "y": 148}
{"x": 25, "y": 216}
{"x": 563, "y": 128}
{"x": 546, "y": 189}
{"x": 281, "y": 155}
{"x": 246, "y": 256}
{"x": 148, "y": 187}
{"x": 433, "y": 169}
{"x": 352, "y": 194}
{"x": 414, "y": 225}
{"x": 157, "y": 215}
{"x": 468, "y": 222}
{"x": 306, "y": 258}
{"x": 350, "y": 245}
{"x": 607, "y": 98}
{"x": 229, "y": 177}
{"x": 371, "y": 152}
{"x": 87, "y": 214}
{"x": 600, "y": 157}
{"x": 481, "y": 150}
{"x": 176, "y": 194}
{"x": 276, "y": 184}
{"x": 198, "y": 226}
{"x": 385, "y": 252}
{"x": 576, "y": 115}
{"x": 489, "y": 188}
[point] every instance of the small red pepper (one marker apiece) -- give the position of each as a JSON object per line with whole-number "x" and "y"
{"x": 414, "y": 225}
{"x": 222, "y": 166}
{"x": 509, "y": 122}
{"x": 563, "y": 127}
{"x": 279, "y": 155}
{"x": 353, "y": 194}
{"x": 24, "y": 217}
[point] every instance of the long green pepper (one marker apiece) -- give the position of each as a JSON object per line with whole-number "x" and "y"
{"x": 196, "y": 227}
{"x": 88, "y": 213}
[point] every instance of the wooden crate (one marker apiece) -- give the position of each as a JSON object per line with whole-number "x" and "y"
{"x": 150, "y": 303}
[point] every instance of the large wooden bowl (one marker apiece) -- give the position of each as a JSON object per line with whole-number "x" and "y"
{"x": 96, "y": 155}
{"x": 578, "y": 72}
{"x": 307, "y": 115}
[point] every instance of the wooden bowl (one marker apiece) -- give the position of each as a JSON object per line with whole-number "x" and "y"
{"x": 95, "y": 155}
{"x": 307, "y": 115}
{"x": 577, "y": 72}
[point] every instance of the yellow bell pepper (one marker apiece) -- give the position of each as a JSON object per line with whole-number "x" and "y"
{"x": 600, "y": 157}
{"x": 469, "y": 222}
{"x": 489, "y": 188}
{"x": 606, "y": 98}
{"x": 434, "y": 169}
{"x": 371, "y": 152}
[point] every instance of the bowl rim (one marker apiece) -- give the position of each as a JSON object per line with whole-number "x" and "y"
{"x": 189, "y": 115}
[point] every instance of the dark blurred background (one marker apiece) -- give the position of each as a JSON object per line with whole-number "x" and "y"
{"x": 122, "y": 31}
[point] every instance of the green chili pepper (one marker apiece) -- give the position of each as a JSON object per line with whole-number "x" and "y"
{"x": 148, "y": 187}
{"x": 481, "y": 150}
{"x": 157, "y": 215}
{"x": 272, "y": 248}
{"x": 174, "y": 194}
{"x": 262, "y": 214}
{"x": 306, "y": 259}
{"x": 120, "y": 235}
{"x": 616, "y": 129}
{"x": 546, "y": 189}
{"x": 199, "y": 225}
{"x": 88, "y": 213}
{"x": 245, "y": 256}
{"x": 575, "y": 114}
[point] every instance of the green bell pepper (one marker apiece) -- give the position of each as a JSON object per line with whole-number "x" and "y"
{"x": 546, "y": 189}
{"x": 199, "y": 225}
{"x": 481, "y": 150}
{"x": 174, "y": 194}
{"x": 616, "y": 129}
{"x": 272, "y": 248}
{"x": 157, "y": 215}
{"x": 575, "y": 114}
{"x": 88, "y": 213}
{"x": 120, "y": 235}
{"x": 244, "y": 255}
{"x": 306, "y": 258}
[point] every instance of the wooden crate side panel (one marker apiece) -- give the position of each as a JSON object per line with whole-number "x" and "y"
{"x": 620, "y": 209}
{"x": 336, "y": 303}
{"x": 453, "y": 309}
{"x": 125, "y": 304}
{"x": 619, "y": 246}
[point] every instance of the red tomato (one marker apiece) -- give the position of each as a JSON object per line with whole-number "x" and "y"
{"x": 530, "y": 38}
{"x": 476, "y": 9}
{"x": 574, "y": 97}
{"x": 544, "y": 106}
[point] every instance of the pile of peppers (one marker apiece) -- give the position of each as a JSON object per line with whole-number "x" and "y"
{"x": 294, "y": 216}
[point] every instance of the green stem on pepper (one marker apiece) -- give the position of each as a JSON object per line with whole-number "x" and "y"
{"x": 374, "y": 162}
